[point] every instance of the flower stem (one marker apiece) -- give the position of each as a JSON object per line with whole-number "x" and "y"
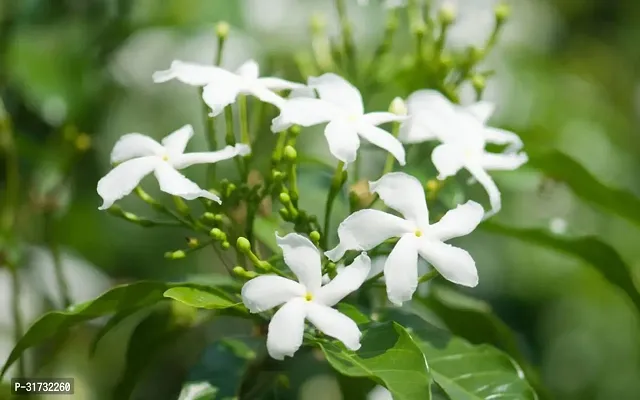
{"x": 347, "y": 37}
{"x": 12, "y": 188}
{"x": 16, "y": 314}
{"x": 230, "y": 139}
{"x": 339, "y": 177}
{"x": 279, "y": 149}
{"x": 429, "y": 276}
{"x": 244, "y": 127}
{"x": 54, "y": 248}
{"x": 388, "y": 165}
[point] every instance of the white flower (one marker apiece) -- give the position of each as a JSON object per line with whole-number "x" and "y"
{"x": 222, "y": 87}
{"x": 140, "y": 155}
{"x": 379, "y": 393}
{"x": 306, "y": 299}
{"x": 365, "y": 229}
{"x": 387, "y": 4}
{"x": 340, "y": 104}
{"x": 463, "y": 134}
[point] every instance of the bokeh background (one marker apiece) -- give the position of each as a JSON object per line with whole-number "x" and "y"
{"x": 567, "y": 78}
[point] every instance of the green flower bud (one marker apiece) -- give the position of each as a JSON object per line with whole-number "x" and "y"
{"x": 290, "y": 154}
{"x": 225, "y": 245}
{"x": 318, "y": 23}
{"x": 284, "y": 214}
{"x": 176, "y": 255}
{"x": 217, "y": 234}
{"x": 294, "y": 130}
{"x": 243, "y": 244}
{"x": 193, "y": 243}
{"x": 238, "y": 270}
{"x": 479, "y": 82}
{"x": 209, "y": 216}
{"x": 276, "y": 175}
{"x": 398, "y": 106}
{"x": 314, "y": 236}
{"x": 285, "y": 198}
{"x": 222, "y": 29}
{"x": 502, "y": 11}
{"x": 447, "y": 14}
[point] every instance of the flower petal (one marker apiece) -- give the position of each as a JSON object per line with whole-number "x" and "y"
{"x": 133, "y": 145}
{"x": 176, "y": 142}
{"x": 378, "y": 118}
{"x": 401, "y": 270}
{"x": 482, "y": 110}
{"x": 432, "y": 116}
{"x": 121, "y": 180}
{"x": 303, "y": 111}
{"x": 338, "y": 91}
{"x": 347, "y": 281}
{"x": 220, "y": 94}
{"x": 303, "y": 258}
{"x": 448, "y": 160}
{"x": 192, "y": 74}
{"x": 267, "y": 291}
{"x": 384, "y": 140}
{"x": 343, "y": 140}
{"x": 503, "y": 137}
{"x": 335, "y": 324}
{"x": 460, "y": 221}
{"x": 365, "y": 229}
{"x": 265, "y": 95}
{"x": 273, "y": 83}
{"x": 403, "y": 193}
{"x": 249, "y": 70}
{"x": 173, "y": 182}
{"x": 503, "y": 162}
{"x": 286, "y": 329}
{"x": 210, "y": 157}
{"x": 453, "y": 263}
{"x": 489, "y": 185}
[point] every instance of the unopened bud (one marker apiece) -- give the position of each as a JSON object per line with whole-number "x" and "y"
{"x": 294, "y": 130}
{"x": 447, "y": 13}
{"x": 360, "y": 195}
{"x": 175, "y": 255}
{"x": 433, "y": 185}
{"x": 398, "y": 106}
{"x": 193, "y": 243}
{"x": 290, "y": 154}
{"x": 502, "y": 11}
{"x": 222, "y": 29}
{"x": 479, "y": 82}
{"x": 217, "y": 234}
{"x": 285, "y": 198}
{"x": 225, "y": 245}
{"x": 209, "y": 216}
{"x": 318, "y": 23}
{"x": 284, "y": 214}
{"x": 314, "y": 236}
{"x": 243, "y": 244}
{"x": 83, "y": 142}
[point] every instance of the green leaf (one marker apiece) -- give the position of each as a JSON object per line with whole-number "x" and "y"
{"x": 352, "y": 312}
{"x": 389, "y": 356}
{"x": 561, "y": 167}
{"x": 590, "y": 249}
{"x": 198, "y": 298}
{"x": 198, "y": 391}
{"x": 264, "y": 229}
{"x": 465, "y": 371}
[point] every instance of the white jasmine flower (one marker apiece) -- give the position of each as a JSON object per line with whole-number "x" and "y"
{"x": 222, "y": 87}
{"x": 365, "y": 229}
{"x": 305, "y": 299}
{"x": 340, "y": 104}
{"x": 379, "y": 393}
{"x": 139, "y": 155}
{"x": 463, "y": 134}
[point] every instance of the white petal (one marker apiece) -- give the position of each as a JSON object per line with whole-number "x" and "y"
{"x": 453, "y": 263}
{"x": 173, "y": 182}
{"x": 210, "y": 157}
{"x": 267, "y": 291}
{"x": 482, "y": 110}
{"x": 460, "y": 221}
{"x": 384, "y": 140}
{"x": 401, "y": 270}
{"x": 286, "y": 329}
{"x": 273, "y": 83}
{"x": 121, "y": 180}
{"x": 343, "y": 140}
{"x": 133, "y": 145}
{"x": 503, "y": 162}
{"x": 335, "y": 324}
{"x": 379, "y": 393}
{"x": 448, "y": 160}
{"x": 249, "y": 70}
{"x": 220, "y": 94}
{"x": 489, "y": 185}
{"x": 403, "y": 193}
{"x": 378, "y": 118}
{"x": 432, "y": 116}
{"x": 191, "y": 74}
{"x": 365, "y": 229}
{"x": 303, "y": 111}
{"x": 265, "y": 95}
{"x": 338, "y": 91}
{"x": 176, "y": 142}
{"x": 347, "y": 281}
{"x": 503, "y": 137}
{"x": 303, "y": 258}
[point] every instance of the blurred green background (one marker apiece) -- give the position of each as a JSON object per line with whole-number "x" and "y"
{"x": 567, "y": 78}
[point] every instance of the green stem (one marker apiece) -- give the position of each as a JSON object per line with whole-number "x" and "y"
{"x": 346, "y": 35}
{"x": 244, "y": 120}
{"x": 388, "y": 165}
{"x": 336, "y": 184}
{"x": 54, "y": 248}
{"x": 16, "y": 314}
{"x": 429, "y": 276}
{"x": 279, "y": 149}
{"x": 12, "y": 191}
{"x": 230, "y": 139}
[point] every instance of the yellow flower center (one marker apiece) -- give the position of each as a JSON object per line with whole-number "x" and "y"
{"x": 308, "y": 296}
{"x": 165, "y": 157}
{"x": 418, "y": 233}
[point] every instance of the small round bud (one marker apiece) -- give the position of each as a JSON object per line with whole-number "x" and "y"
{"x": 83, "y": 142}
{"x": 209, "y": 216}
{"x": 231, "y": 187}
{"x": 290, "y": 154}
{"x": 225, "y": 245}
{"x": 318, "y": 23}
{"x": 222, "y": 29}
{"x": 420, "y": 29}
{"x": 475, "y": 54}
{"x": 447, "y": 14}
{"x": 217, "y": 234}
{"x": 218, "y": 218}
{"x": 294, "y": 130}
{"x": 314, "y": 236}
{"x": 238, "y": 270}
{"x": 276, "y": 175}
{"x": 502, "y": 11}
{"x": 478, "y": 82}
{"x": 285, "y": 198}
{"x": 176, "y": 255}
{"x": 243, "y": 244}
{"x": 193, "y": 243}
{"x": 284, "y": 214}
{"x": 398, "y": 106}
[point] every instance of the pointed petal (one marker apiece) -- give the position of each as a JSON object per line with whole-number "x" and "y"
{"x": 173, "y": 182}
{"x": 220, "y": 94}
{"x": 303, "y": 111}
{"x": 265, "y": 95}
{"x": 365, "y": 229}
{"x": 267, "y": 291}
{"x": 134, "y": 145}
{"x": 343, "y": 140}
{"x": 453, "y": 263}
{"x": 338, "y": 91}
{"x": 448, "y": 160}
{"x": 401, "y": 270}
{"x": 378, "y": 118}
{"x": 347, "y": 281}
{"x": 286, "y": 329}
{"x": 384, "y": 140}
{"x": 335, "y": 324}
{"x": 121, "y": 180}
{"x": 210, "y": 157}
{"x": 460, "y": 221}
{"x": 503, "y": 162}
{"x": 249, "y": 70}
{"x": 489, "y": 185}
{"x": 503, "y": 137}
{"x": 176, "y": 142}
{"x": 192, "y": 74}
{"x": 482, "y": 110}
{"x": 403, "y": 193}
{"x": 273, "y": 83}
{"x": 432, "y": 115}
{"x": 303, "y": 258}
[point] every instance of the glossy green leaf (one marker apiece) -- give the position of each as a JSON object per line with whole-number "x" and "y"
{"x": 590, "y": 249}
{"x": 198, "y": 298}
{"x": 561, "y": 167}
{"x": 352, "y": 312}
{"x": 198, "y": 391}
{"x": 389, "y": 356}
{"x": 465, "y": 371}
